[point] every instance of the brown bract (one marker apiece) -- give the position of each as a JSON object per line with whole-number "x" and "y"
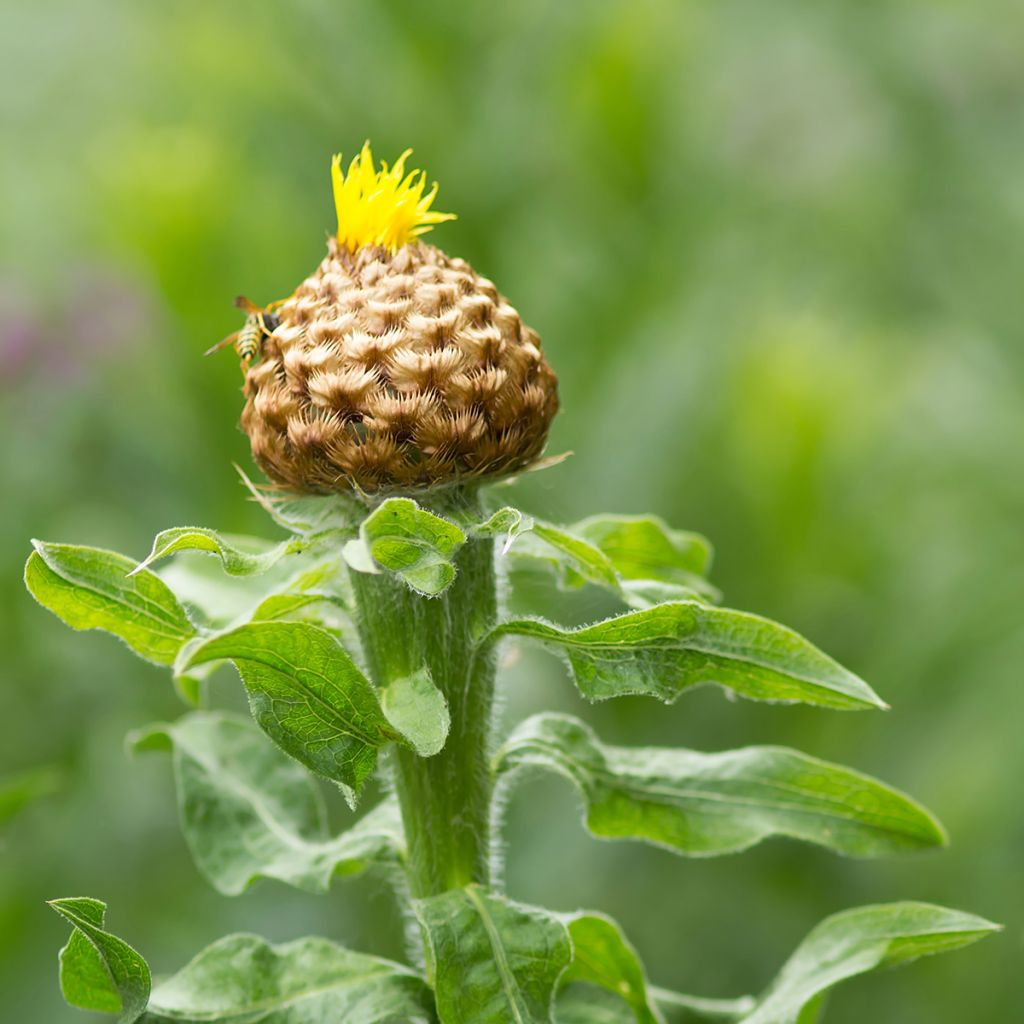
{"x": 396, "y": 371}
{"x": 390, "y": 372}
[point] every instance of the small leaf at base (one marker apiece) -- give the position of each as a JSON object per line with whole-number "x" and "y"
{"x": 417, "y": 709}
{"x": 409, "y": 541}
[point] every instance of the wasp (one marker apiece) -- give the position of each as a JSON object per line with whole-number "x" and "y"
{"x": 260, "y": 322}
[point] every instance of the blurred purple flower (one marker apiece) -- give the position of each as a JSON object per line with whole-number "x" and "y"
{"x": 104, "y": 314}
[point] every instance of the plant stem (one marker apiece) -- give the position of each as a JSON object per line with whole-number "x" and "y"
{"x": 445, "y": 799}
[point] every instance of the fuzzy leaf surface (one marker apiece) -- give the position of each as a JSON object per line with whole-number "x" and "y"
{"x": 417, "y": 709}
{"x": 507, "y": 523}
{"x": 493, "y": 961}
{"x": 665, "y": 650}
{"x": 242, "y": 979}
{"x": 89, "y": 588}
{"x": 409, "y": 541}
{"x": 603, "y": 956}
{"x": 238, "y": 557}
{"x": 306, "y": 693}
{"x": 709, "y": 804}
{"x": 99, "y": 971}
{"x": 855, "y": 942}
{"x": 249, "y": 811}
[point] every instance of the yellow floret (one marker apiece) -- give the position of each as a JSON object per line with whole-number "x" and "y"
{"x": 384, "y": 208}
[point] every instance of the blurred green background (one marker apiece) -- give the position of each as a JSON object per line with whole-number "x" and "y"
{"x": 775, "y": 253}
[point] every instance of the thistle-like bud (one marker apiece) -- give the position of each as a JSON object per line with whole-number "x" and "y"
{"x": 394, "y": 366}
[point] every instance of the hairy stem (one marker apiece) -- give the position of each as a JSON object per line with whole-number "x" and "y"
{"x": 445, "y": 799}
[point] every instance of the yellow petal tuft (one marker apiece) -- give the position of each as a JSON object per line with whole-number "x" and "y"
{"x": 384, "y": 208}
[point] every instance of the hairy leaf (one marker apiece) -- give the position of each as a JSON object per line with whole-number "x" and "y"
{"x": 578, "y": 560}
{"x": 99, "y": 971}
{"x": 306, "y": 693}
{"x": 417, "y": 709}
{"x": 601, "y": 955}
{"x": 708, "y": 804}
{"x": 242, "y": 979}
{"x": 857, "y": 941}
{"x": 409, "y": 541}
{"x": 507, "y": 523}
{"x": 249, "y": 811}
{"x": 664, "y": 650}
{"x": 234, "y": 558}
{"x": 492, "y": 960}
{"x": 89, "y": 588}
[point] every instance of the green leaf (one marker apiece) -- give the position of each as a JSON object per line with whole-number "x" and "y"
{"x": 507, "y": 522}
{"x": 321, "y": 584}
{"x": 492, "y": 960}
{"x": 306, "y": 693}
{"x": 194, "y": 687}
{"x": 417, "y": 709}
{"x": 662, "y": 651}
{"x": 242, "y": 979}
{"x": 709, "y": 804}
{"x": 89, "y": 588}
{"x": 249, "y": 811}
{"x": 22, "y": 788}
{"x": 304, "y": 586}
{"x": 857, "y": 941}
{"x": 234, "y": 559}
{"x": 601, "y": 955}
{"x": 580, "y": 1003}
{"x": 407, "y": 540}
{"x": 99, "y": 971}
{"x": 575, "y": 560}
{"x": 646, "y": 548}
{"x": 289, "y": 605}
{"x": 638, "y": 558}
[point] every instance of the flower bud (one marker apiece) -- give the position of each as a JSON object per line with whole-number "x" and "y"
{"x": 394, "y": 366}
